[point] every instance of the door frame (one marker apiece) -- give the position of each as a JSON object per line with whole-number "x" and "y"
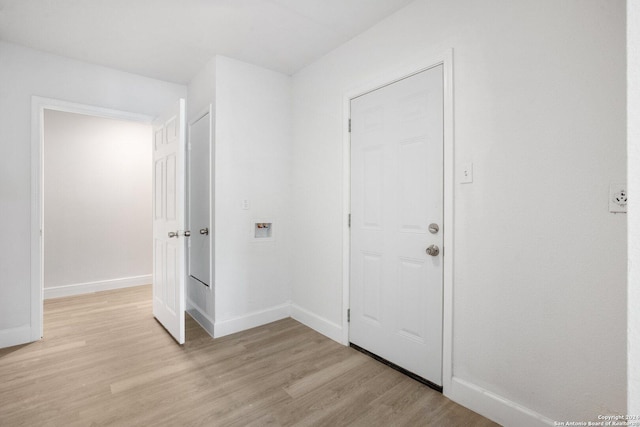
{"x": 384, "y": 79}
{"x": 38, "y": 105}
{"x": 198, "y": 313}
{"x": 201, "y": 115}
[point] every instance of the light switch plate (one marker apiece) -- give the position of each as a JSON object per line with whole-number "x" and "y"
{"x": 466, "y": 173}
{"x": 618, "y": 198}
{"x": 245, "y": 204}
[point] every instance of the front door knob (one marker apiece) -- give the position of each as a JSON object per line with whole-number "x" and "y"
{"x": 433, "y": 250}
{"x": 204, "y": 231}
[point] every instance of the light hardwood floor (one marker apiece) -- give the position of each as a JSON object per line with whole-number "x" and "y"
{"x": 105, "y": 361}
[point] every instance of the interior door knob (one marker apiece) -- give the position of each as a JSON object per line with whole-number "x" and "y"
{"x": 173, "y": 234}
{"x": 433, "y": 250}
{"x": 187, "y": 233}
{"x": 204, "y": 231}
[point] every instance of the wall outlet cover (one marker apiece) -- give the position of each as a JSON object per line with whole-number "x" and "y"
{"x": 618, "y": 198}
{"x": 466, "y": 173}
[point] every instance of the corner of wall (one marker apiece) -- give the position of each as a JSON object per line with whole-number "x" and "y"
{"x": 317, "y": 323}
{"x": 252, "y": 320}
{"x": 201, "y": 317}
{"x": 494, "y": 406}
{"x": 201, "y": 89}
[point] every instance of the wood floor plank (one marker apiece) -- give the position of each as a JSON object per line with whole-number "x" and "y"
{"x": 105, "y": 361}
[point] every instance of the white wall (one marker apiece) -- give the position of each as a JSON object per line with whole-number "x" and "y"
{"x": 253, "y": 162}
{"x": 539, "y": 262}
{"x": 633, "y": 138}
{"x": 26, "y": 72}
{"x": 97, "y": 202}
{"x": 201, "y": 90}
{"x": 253, "y": 158}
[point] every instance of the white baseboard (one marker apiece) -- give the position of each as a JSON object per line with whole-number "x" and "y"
{"x": 90, "y": 287}
{"x": 200, "y": 317}
{"x": 251, "y": 320}
{"x": 317, "y": 323}
{"x": 15, "y": 336}
{"x": 495, "y": 407}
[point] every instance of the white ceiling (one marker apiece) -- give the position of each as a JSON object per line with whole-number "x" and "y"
{"x": 172, "y": 39}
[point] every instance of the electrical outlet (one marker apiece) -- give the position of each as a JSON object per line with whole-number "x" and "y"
{"x": 618, "y": 198}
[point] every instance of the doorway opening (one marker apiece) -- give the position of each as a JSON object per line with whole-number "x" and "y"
{"x": 88, "y": 205}
{"x": 407, "y": 268}
{"x": 91, "y": 210}
{"x": 397, "y": 223}
{"x": 96, "y": 203}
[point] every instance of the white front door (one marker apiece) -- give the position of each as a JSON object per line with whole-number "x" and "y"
{"x": 396, "y": 204}
{"x": 168, "y": 220}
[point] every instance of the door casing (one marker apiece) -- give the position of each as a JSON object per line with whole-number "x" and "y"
{"x": 38, "y": 105}
{"x": 446, "y": 60}
{"x": 204, "y": 318}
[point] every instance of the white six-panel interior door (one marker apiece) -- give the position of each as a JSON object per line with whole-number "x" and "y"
{"x": 168, "y": 220}
{"x": 396, "y": 287}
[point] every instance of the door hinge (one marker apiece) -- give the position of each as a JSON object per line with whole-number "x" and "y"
{"x": 349, "y": 125}
{"x": 349, "y": 220}
{"x": 348, "y": 315}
